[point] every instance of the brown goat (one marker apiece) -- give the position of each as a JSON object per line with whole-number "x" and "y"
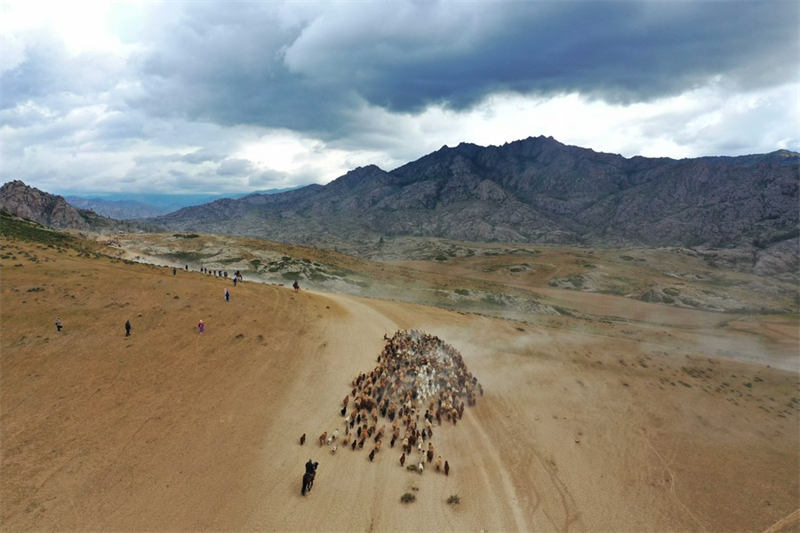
{"x": 302, "y": 439}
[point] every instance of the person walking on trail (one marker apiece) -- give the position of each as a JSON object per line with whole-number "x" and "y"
{"x": 227, "y": 296}
{"x": 174, "y": 271}
{"x": 127, "y": 328}
{"x": 58, "y": 324}
{"x": 201, "y": 326}
{"x": 235, "y": 279}
{"x": 296, "y": 286}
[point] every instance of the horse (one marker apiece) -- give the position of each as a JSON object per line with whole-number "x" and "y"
{"x": 308, "y": 477}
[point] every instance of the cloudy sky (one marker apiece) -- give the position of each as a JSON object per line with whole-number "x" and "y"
{"x": 205, "y": 97}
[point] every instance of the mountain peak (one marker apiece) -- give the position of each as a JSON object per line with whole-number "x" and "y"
{"x": 784, "y": 153}
{"x": 358, "y": 176}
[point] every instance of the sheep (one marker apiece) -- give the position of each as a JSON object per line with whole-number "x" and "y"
{"x": 302, "y": 439}
{"x": 439, "y": 464}
{"x": 420, "y": 467}
{"x": 333, "y": 449}
{"x": 353, "y": 447}
{"x": 323, "y": 438}
{"x": 372, "y": 455}
{"x": 403, "y": 459}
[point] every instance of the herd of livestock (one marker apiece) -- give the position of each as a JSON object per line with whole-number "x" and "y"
{"x": 419, "y": 383}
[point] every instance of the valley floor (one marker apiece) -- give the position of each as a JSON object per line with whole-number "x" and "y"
{"x": 586, "y": 424}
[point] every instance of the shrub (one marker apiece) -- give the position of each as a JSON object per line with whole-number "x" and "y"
{"x": 454, "y": 499}
{"x": 408, "y": 498}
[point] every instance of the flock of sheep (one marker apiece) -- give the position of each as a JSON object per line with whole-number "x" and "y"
{"x": 419, "y": 382}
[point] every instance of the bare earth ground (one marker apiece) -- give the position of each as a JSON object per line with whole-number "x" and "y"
{"x": 587, "y": 424}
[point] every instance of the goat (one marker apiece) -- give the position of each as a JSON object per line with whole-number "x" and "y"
{"x": 323, "y": 438}
{"x": 302, "y": 439}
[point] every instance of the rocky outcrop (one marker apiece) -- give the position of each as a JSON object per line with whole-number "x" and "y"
{"x": 33, "y": 204}
{"x": 52, "y": 210}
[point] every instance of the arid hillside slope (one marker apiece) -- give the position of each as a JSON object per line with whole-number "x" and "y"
{"x": 586, "y": 425}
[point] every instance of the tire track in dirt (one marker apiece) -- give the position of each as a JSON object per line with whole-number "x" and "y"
{"x": 672, "y": 478}
{"x": 784, "y": 524}
{"x": 489, "y": 457}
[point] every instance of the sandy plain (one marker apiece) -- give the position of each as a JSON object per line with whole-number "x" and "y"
{"x": 589, "y": 423}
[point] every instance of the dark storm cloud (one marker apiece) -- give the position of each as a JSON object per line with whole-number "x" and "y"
{"x": 224, "y": 64}
{"x": 49, "y": 73}
{"x": 248, "y": 65}
{"x": 193, "y": 87}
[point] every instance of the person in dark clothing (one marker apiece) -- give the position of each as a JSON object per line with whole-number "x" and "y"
{"x": 296, "y": 286}
{"x": 174, "y": 271}
{"x": 308, "y": 477}
{"x": 58, "y": 324}
{"x": 127, "y": 328}
{"x": 227, "y": 296}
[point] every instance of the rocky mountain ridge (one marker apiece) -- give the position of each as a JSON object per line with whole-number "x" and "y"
{"x": 533, "y": 190}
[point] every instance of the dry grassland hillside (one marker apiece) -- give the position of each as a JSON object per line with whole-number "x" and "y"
{"x": 601, "y": 412}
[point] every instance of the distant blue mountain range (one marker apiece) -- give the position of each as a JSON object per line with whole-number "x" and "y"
{"x": 128, "y": 206}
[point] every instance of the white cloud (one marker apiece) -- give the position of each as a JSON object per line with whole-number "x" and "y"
{"x": 700, "y": 122}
